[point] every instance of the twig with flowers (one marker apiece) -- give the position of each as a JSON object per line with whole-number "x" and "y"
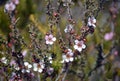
{"x": 72, "y": 37}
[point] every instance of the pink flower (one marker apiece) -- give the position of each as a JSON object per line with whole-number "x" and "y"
{"x": 10, "y": 6}
{"x": 12, "y": 62}
{"x": 91, "y": 21}
{"x": 38, "y": 67}
{"x": 116, "y": 53}
{"x": 68, "y": 28}
{"x": 50, "y": 39}
{"x": 79, "y": 45}
{"x": 108, "y": 36}
{"x": 68, "y": 57}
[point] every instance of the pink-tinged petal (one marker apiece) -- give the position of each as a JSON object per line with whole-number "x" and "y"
{"x": 81, "y": 42}
{"x": 24, "y": 53}
{"x": 69, "y": 50}
{"x": 83, "y": 46}
{"x": 54, "y": 39}
{"x": 71, "y": 54}
{"x": 46, "y": 37}
{"x": 108, "y": 36}
{"x": 50, "y": 36}
{"x": 16, "y": 2}
{"x": 76, "y": 41}
{"x": 42, "y": 66}
{"x": 75, "y": 47}
{"x": 47, "y": 42}
{"x": 12, "y": 62}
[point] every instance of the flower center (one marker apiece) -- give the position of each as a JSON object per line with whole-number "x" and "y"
{"x": 79, "y": 45}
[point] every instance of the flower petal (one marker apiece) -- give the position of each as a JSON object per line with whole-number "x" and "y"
{"x": 83, "y": 46}
{"x": 54, "y": 39}
{"x": 40, "y": 70}
{"x": 79, "y": 49}
{"x": 75, "y": 47}
{"x": 71, "y": 59}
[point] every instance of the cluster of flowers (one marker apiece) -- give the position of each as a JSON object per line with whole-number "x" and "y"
{"x": 79, "y": 45}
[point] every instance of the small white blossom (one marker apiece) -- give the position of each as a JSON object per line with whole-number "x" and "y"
{"x": 10, "y": 6}
{"x": 91, "y": 21}
{"x": 68, "y": 57}
{"x": 50, "y": 39}
{"x": 79, "y": 45}
{"x": 27, "y": 65}
{"x": 38, "y": 67}
{"x": 4, "y": 60}
{"x": 68, "y": 28}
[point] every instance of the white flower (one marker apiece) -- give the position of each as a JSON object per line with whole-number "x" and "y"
{"x": 38, "y": 67}
{"x": 68, "y": 57}
{"x": 79, "y": 45}
{"x": 10, "y": 6}
{"x": 27, "y": 65}
{"x": 4, "y": 60}
{"x": 68, "y": 28}
{"x": 91, "y": 21}
{"x": 16, "y": 2}
{"x": 50, "y": 39}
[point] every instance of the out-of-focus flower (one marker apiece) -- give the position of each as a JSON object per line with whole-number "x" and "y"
{"x": 4, "y": 60}
{"x": 16, "y": 2}
{"x": 79, "y": 45}
{"x": 68, "y": 56}
{"x": 38, "y": 67}
{"x": 116, "y": 53}
{"x": 12, "y": 62}
{"x": 68, "y": 28}
{"x": 50, "y": 70}
{"x": 24, "y": 53}
{"x": 109, "y": 36}
{"x": 91, "y": 22}
{"x": 27, "y": 65}
{"x": 50, "y": 39}
{"x": 50, "y": 59}
{"x": 10, "y": 6}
